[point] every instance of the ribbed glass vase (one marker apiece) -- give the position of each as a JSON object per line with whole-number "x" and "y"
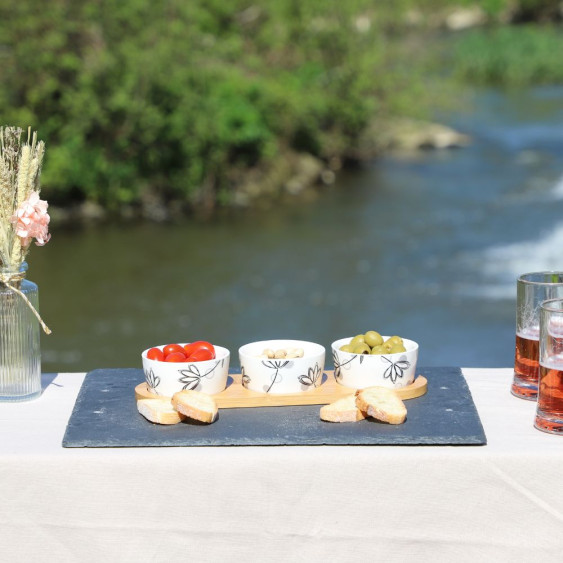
{"x": 20, "y": 353}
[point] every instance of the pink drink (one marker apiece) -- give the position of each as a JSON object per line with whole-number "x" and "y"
{"x": 549, "y": 416}
{"x": 526, "y": 364}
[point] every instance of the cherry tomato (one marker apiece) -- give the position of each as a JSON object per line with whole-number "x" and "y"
{"x": 189, "y": 349}
{"x": 175, "y": 357}
{"x": 201, "y": 355}
{"x": 155, "y": 354}
{"x": 172, "y": 348}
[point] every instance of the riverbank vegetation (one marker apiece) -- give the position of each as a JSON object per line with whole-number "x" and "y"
{"x": 510, "y": 56}
{"x": 147, "y": 108}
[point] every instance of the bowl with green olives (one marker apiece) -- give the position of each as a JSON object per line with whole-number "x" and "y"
{"x": 370, "y": 359}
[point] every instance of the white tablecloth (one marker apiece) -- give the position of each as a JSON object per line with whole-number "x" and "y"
{"x": 499, "y": 502}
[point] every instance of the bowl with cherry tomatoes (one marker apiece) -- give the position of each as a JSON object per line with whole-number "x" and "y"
{"x": 196, "y": 366}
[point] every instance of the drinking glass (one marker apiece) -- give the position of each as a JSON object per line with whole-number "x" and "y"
{"x": 549, "y": 413}
{"x": 531, "y": 290}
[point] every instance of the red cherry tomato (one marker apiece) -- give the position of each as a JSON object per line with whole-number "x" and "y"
{"x": 189, "y": 349}
{"x": 201, "y": 355}
{"x": 173, "y": 348}
{"x": 175, "y": 357}
{"x": 155, "y": 354}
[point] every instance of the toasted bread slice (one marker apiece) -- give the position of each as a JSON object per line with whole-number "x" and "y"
{"x": 196, "y": 405}
{"x": 343, "y": 410}
{"x": 159, "y": 411}
{"x": 382, "y": 403}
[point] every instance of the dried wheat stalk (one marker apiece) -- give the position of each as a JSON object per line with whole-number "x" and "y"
{"x": 20, "y": 171}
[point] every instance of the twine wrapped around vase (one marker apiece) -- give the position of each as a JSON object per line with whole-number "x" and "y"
{"x": 8, "y": 279}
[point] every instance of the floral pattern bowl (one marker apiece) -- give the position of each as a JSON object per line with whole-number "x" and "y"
{"x": 167, "y": 378}
{"x": 364, "y": 370}
{"x": 285, "y": 375}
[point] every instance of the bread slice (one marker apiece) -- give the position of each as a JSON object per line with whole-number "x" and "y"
{"x": 196, "y": 405}
{"x": 343, "y": 410}
{"x": 159, "y": 411}
{"x": 382, "y": 403}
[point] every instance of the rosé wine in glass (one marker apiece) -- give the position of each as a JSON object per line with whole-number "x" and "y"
{"x": 549, "y": 413}
{"x": 526, "y": 363}
{"x": 531, "y": 290}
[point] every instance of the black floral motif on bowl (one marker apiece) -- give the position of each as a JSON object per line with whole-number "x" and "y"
{"x": 245, "y": 379}
{"x": 338, "y": 365}
{"x": 276, "y": 365}
{"x": 152, "y": 380}
{"x": 395, "y": 370}
{"x": 313, "y": 377}
{"x": 192, "y": 376}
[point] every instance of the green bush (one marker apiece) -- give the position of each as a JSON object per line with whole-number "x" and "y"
{"x": 511, "y": 56}
{"x": 136, "y": 95}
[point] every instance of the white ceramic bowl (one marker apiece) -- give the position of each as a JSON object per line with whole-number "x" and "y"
{"x": 283, "y": 376}
{"x": 364, "y": 370}
{"x": 167, "y": 378}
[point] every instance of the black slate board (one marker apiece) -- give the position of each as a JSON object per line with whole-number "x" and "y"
{"x": 105, "y": 415}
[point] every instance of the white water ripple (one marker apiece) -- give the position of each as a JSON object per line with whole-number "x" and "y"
{"x": 557, "y": 191}
{"x": 514, "y": 259}
{"x": 501, "y": 265}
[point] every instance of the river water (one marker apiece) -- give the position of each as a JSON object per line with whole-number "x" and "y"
{"x": 428, "y": 247}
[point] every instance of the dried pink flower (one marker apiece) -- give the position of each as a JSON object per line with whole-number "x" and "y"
{"x": 31, "y": 220}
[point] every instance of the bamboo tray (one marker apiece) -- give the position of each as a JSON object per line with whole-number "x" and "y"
{"x": 237, "y": 396}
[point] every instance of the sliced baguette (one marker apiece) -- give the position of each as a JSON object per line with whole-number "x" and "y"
{"x": 343, "y": 410}
{"x": 159, "y": 411}
{"x": 195, "y": 405}
{"x": 382, "y": 403}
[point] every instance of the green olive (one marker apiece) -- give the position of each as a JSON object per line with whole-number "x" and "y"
{"x": 397, "y": 349}
{"x": 362, "y": 349}
{"x": 388, "y": 345}
{"x": 373, "y": 338}
{"x": 346, "y": 348}
{"x": 394, "y": 340}
{"x": 378, "y": 350}
{"x": 359, "y": 339}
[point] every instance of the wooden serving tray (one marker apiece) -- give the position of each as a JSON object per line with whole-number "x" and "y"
{"x": 237, "y": 396}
